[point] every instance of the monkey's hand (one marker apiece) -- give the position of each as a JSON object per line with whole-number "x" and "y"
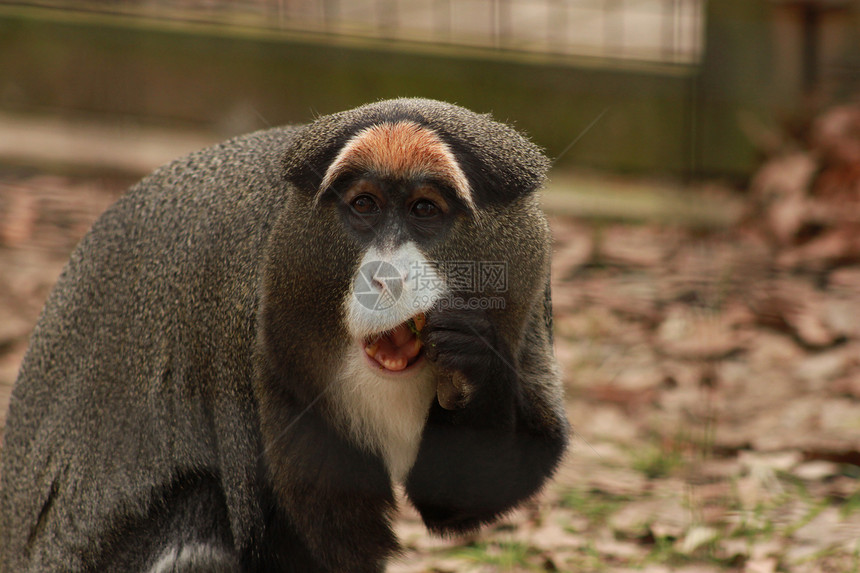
{"x": 478, "y": 371}
{"x": 497, "y": 441}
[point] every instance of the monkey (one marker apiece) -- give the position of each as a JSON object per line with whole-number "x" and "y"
{"x": 255, "y": 345}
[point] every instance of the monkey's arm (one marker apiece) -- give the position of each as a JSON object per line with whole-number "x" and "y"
{"x": 334, "y": 497}
{"x": 481, "y": 460}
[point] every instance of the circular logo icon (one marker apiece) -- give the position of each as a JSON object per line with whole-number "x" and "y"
{"x": 378, "y": 285}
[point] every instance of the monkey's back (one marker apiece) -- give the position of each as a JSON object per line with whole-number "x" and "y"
{"x": 148, "y": 331}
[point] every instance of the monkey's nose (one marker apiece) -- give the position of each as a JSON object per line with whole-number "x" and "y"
{"x": 388, "y": 277}
{"x": 381, "y": 283}
{"x": 388, "y": 283}
{"x": 385, "y": 284}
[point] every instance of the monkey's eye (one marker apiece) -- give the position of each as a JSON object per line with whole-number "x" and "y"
{"x": 365, "y": 205}
{"x": 424, "y": 209}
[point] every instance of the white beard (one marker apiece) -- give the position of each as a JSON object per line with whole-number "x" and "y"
{"x": 384, "y": 412}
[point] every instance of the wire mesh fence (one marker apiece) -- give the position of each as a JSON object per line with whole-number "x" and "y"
{"x": 665, "y": 31}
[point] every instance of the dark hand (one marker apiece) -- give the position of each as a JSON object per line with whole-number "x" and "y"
{"x": 477, "y": 365}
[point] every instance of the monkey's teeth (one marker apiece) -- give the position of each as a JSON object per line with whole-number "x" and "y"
{"x": 394, "y": 350}
{"x": 372, "y": 349}
{"x": 393, "y": 363}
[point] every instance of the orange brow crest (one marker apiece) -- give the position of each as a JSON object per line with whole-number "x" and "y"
{"x": 401, "y": 150}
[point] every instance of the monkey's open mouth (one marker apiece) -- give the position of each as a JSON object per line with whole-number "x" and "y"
{"x": 398, "y": 348}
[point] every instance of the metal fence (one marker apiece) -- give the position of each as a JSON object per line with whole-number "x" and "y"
{"x": 667, "y": 31}
{"x": 652, "y": 30}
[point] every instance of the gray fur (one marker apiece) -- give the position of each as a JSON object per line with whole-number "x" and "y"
{"x": 182, "y": 360}
{"x": 139, "y": 366}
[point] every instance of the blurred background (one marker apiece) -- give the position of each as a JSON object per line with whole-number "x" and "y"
{"x": 705, "y": 201}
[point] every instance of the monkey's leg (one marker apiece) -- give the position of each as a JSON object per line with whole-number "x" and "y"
{"x": 186, "y": 530}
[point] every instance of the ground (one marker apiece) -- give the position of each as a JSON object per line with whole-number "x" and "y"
{"x": 714, "y": 391}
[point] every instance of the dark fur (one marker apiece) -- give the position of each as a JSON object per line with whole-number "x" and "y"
{"x": 174, "y": 391}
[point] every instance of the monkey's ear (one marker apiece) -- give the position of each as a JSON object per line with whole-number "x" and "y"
{"x": 498, "y": 176}
{"x": 309, "y": 156}
{"x": 499, "y": 162}
{"x": 317, "y": 144}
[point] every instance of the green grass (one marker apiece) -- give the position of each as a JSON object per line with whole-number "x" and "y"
{"x": 850, "y": 505}
{"x": 502, "y": 555}
{"x": 657, "y": 462}
{"x": 595, "y": 506}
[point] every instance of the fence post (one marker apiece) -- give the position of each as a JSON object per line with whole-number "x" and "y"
{"x": 734, "y": 84}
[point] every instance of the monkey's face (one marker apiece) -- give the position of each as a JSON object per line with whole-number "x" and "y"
{"x": 397, "y": 191}
{"x": 387, "y": 201}
{"x": 393, "y": 222}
